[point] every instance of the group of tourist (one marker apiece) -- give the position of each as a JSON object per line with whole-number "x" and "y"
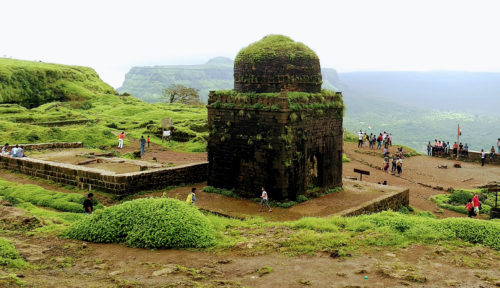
{"x": 15, "y": 152}
{"x": 397, "y": 162}
{"x": 440, "y": 148}
{"x": 383, "y": 139}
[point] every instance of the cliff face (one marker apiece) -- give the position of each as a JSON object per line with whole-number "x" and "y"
{"x": 31, "y": 84}
{"x": 147, "y": 83}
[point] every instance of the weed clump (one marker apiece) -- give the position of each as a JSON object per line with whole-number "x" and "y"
{"x": 9, "y": 256}
{"x": 147, "y": 223}
{"x": 66, "y": 202}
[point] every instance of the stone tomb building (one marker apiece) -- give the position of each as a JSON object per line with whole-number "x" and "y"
{"x": 277, "y": 128}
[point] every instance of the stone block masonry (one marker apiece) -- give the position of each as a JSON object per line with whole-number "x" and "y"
{"x": 118, "y": 184}
{"x": 391, "y": 201}
{"x": 474, "y": 156}
{"x": 53, "y": 145}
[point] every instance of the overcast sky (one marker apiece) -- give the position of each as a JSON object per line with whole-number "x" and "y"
{"x": 113, "y": 36}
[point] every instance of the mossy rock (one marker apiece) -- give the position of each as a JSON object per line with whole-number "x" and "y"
{"x": 277, "y": 63}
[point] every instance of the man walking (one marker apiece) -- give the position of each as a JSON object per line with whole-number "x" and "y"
{"x": 360, "y": 139}
{"x": 263, "y": 200}
{"x": 120, "y": 140}
{"x": 143, "y": 144}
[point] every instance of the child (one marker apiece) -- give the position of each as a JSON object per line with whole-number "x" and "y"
{"x": 470, "y": 208}
{"x": 191, "y": 199}
{"x": 148, "y": 141}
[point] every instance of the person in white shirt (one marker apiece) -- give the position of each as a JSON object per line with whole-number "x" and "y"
{"x": 498, "y": 144}
{"x": 13, "y": 151}
{"x": 4, "y": 149}
{"x": 264, "y": 201}
{"x": 360, "y": 139}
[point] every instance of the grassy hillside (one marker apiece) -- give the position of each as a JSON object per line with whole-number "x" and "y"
{"x": 147, "y": 83}
{"x": 108, "y": 115}
{"x": 90, "y": 99}
{"x": 34, "y": 83}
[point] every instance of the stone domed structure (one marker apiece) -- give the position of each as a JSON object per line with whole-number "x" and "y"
{"x": 277, "y": 129}
{"x": 277, "y": 63}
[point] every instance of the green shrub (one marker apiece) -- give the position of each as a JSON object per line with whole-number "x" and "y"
{"x": 455, "y": 201}
{"x": 460, "y": 197}
{"x": 9, "y": 256}
{"x": 221, "y": 191}
{"x": 147, "y": 223}
{"x": 67, "y": 202}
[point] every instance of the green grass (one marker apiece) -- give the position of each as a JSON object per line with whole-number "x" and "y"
{"x": 345, "y": 159}
{"x": 35, "y": 83}
{"x": 66, "y": 202}
{"x": 274, "y": 46}
{"x": 9, "y": 257}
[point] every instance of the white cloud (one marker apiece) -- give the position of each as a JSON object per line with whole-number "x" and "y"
{"x": 112, "y": 36}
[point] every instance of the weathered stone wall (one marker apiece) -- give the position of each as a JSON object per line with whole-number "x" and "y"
{"x": 61, "y": 123}
{"x": 383, "y": 203}
{"x": 303, "y": 75}
{"x": 119, "y": 184}
{"x": 284, "y": 151}
{"x": 473, "y": 156}
{"x": 53, "y": 145}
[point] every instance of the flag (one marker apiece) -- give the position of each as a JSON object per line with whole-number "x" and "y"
{"x": 370, "y": 127}
{"x": 459, "y": 133}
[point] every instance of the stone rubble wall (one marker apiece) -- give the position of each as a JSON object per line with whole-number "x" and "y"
{"x": 61, "y": 123}
{"x": 383, "y": 203}
{"x": 474, "y": 156}
{"x": 119, "y": 184}
{"x": 53, "y": 145}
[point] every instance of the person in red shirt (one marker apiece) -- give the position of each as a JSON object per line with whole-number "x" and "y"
{"x": 120, "y": 140}
{"x": 476, "y": 203}
{"x": 148, "y": 141}
{"x": 470, "y": 208}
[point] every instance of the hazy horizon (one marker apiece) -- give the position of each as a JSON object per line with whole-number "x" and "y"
{"x": 349, "y": 36}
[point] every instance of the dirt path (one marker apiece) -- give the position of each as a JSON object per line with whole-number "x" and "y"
{"x": 421, "y": 175}
{"x": 327, "y": 205}
{"x": 69, "y": 263}
{"x": 162, "y": 154}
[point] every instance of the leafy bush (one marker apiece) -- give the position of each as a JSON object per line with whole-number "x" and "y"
{"x": 460, "y": 197}
{"x": 9, "y": 256}
{"x": 147, "y": 223}
{"x": 67, "y": 202}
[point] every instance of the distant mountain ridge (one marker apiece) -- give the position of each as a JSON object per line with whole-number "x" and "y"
{"x": 415, "y": 106}
{"x": 148, "y": 82}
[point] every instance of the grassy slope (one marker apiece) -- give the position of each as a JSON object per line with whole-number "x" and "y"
{"x": 35, "y": 83}
{"x": 90, "y": 99}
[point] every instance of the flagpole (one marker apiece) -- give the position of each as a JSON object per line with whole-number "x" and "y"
{"x": 458, "y": 141}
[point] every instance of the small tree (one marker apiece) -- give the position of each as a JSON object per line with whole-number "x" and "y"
{"x": 178, "y": 93}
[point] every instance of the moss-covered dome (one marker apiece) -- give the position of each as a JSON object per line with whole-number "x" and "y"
{"x": 277, "y": 63}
